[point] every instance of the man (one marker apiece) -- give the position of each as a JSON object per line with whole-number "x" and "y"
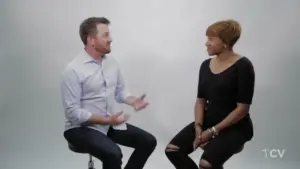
{"x": 90, "y": 85}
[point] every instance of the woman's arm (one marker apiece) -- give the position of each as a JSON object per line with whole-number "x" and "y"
{"x": 200, "y": 102}
{"x": 246, "y": 83}
{"x": 199, "y": 111}
{"x": 236, "y": 115}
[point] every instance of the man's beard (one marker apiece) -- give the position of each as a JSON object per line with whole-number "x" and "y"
{"x": 103, "y": 50}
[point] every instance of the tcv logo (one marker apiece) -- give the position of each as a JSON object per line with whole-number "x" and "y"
{"x": 274, "y": 153}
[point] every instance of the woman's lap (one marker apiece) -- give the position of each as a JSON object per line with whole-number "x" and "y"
{"x": 218, "y": 150}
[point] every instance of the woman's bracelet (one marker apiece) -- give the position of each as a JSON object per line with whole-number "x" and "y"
{"x": 214, "y": 132}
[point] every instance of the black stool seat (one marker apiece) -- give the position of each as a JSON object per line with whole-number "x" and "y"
{"x": 77, "y": 149}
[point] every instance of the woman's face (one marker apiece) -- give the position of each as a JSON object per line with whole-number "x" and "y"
{"x": 214, "y": 45}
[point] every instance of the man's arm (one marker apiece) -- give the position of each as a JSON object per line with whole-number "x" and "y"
{"x": 71, "y": 93}
{"x": 121, "y": 93}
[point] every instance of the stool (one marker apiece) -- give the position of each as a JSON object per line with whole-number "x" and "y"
{"x": 83, "y": 151}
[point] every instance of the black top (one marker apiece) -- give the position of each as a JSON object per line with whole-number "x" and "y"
{"x": 224, "y": 90}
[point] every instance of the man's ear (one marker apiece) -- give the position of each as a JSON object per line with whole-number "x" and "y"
{"x": 91, "y": 40}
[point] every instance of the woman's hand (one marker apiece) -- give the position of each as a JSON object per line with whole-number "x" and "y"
{"x": 198, "y": 137}
{"x": 202, "y": 145}
{"x": 206, "y": 136}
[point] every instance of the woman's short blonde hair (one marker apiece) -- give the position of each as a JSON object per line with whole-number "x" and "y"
{"x": 229, "y": 31}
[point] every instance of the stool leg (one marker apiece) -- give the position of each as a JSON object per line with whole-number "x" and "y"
{"x": 91, "y": 162}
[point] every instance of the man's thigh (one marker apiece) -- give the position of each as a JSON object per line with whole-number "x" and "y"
{"x": 132, "y": 137}
{"x": 95, "y": 142}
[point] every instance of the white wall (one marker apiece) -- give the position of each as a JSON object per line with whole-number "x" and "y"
{"x": 160, "y": 46}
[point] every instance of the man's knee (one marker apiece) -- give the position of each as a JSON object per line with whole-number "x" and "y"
{"x": 150, "y": 142}
{"x": 116, "y": 155}
{"x": 112, "y": 160}
{"x": 112, "y": 156}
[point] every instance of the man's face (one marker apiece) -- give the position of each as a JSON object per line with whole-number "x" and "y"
{"x": 102, "y": 40}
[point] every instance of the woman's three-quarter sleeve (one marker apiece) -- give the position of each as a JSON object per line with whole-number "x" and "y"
{"x": 246, "y": 82}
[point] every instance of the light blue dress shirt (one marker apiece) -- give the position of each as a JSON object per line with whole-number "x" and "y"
{"x": 91, "y": 87}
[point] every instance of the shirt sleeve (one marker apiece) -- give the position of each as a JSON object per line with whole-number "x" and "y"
{"x": 71, "y": 93}
{"x": 121, "y": 92}
{"x": 246, "y": 82}
{"x": 200, "y": 93}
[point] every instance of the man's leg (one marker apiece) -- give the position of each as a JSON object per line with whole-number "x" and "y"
{"x": 143, "y": 142}
{"x": 97, "y": 144}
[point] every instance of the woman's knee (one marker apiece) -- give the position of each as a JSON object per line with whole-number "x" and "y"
{"x": 204, "y": 164}
{"x": 171, "y": 148}
{"x": 171, "y": 151}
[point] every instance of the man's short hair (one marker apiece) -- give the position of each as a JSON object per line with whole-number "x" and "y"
{"x": 89, "y": 27}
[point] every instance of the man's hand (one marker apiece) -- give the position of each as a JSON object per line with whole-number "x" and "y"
{"x": 139, "y": 103}
{"x": 117, "y": 119}
{"x": 198, "y": 137}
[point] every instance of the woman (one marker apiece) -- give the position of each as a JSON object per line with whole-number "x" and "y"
{"x": 225, "y": 90}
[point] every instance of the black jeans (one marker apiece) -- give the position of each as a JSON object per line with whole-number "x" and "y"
{"x": 216, "y": 152}
{"x": 105, "y": 148}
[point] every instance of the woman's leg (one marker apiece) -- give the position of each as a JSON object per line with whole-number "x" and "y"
{"x": 180, "y": 147}
{"x": 222, "y": 148}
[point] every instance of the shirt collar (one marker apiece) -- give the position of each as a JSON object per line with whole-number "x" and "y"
{"x": 87, "y": 58}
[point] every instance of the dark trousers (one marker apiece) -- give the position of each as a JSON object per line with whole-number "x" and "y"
{"x": 216, "y": 152}
{"x": 105, "y": 148}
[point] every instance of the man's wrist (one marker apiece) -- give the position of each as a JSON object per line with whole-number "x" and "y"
{"x": 107, "y": 119}
{"x": 130, "y": 100}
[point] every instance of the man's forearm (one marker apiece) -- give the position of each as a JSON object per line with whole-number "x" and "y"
{"x": 232, "y": 118}
{"x": 81, "y": 116}
{"x": 129, "y": 100}
{"x": 96, "y": 119}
